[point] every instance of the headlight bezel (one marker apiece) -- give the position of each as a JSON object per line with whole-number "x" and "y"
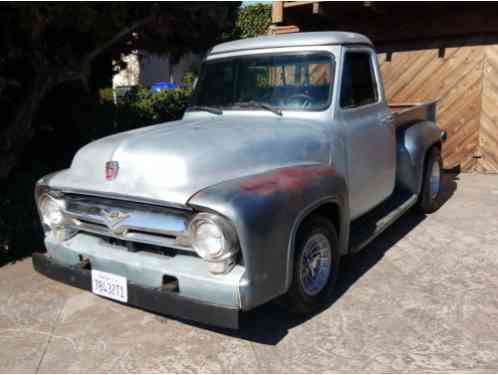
{"x": 47, "y": 199}
{"x": 58, "y": 231}
{"x": 230, "y": 240}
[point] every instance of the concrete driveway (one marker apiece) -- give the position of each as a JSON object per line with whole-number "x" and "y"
{"x": 422, "y": 297}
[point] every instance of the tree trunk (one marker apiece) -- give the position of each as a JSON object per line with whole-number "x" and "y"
{"x": 19, "y": 131}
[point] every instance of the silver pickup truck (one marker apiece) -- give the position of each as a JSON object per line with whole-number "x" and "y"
{"x": 287, "y": 159}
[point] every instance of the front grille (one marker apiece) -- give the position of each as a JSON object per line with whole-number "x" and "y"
{"x": 127, "y": 221}
{"x": 138, "y": 247}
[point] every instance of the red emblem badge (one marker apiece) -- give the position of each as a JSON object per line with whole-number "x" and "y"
{"x": 111, "y": 170}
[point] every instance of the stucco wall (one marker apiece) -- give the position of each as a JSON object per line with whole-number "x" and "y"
{"x": 144, "y": 69}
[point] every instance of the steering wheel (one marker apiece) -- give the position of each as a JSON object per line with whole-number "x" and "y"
{"x": 305, "y": 100}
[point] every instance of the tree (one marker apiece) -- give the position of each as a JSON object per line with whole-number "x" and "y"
{"x": 46, "y": 44}
{"x": 253, "y": 20}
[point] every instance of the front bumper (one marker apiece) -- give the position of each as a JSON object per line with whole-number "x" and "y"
{"x": 152, "y": 299}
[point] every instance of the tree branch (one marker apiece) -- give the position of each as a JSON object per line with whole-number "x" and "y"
{"x": 124, "y": 32}
{"x": 4, "y": 82}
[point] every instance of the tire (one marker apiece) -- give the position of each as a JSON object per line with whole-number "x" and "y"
{"x": 430, "y": 194}
{"x": 302, "y": 298}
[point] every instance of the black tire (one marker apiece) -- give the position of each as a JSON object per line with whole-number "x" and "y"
{"x": 428, "y": 202}
{"x": 297, "y": 300}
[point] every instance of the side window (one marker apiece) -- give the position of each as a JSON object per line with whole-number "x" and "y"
{"x": 358, "y": 80}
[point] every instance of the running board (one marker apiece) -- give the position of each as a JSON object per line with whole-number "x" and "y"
{"x": 369, "y": 226}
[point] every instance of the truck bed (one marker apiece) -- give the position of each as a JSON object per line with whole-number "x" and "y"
{"x": 406, "y": 114}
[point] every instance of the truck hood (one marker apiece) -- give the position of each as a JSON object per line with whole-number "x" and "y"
{"x": 172, "y": 161}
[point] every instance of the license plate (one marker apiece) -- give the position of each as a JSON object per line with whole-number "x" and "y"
{"x": 110, "y": 285}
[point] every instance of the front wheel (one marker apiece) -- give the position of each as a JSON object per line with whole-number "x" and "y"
{"x": 430, "y": 193}
{"x": 316, "y": 266}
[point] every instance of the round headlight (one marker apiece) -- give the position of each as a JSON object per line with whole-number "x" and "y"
{"x": 212, "y": 238}
{"x": 209, "y": 241}
{"x": 51, "y": 211}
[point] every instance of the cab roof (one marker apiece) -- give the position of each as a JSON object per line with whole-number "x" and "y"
{"x": 317, "y": 38}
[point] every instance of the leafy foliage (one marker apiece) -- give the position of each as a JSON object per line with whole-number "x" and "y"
{"x": 253, "y": 20}
{"x": 143, "y": 106}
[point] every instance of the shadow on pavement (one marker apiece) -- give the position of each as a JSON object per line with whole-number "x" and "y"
{"x": 270, "y": 323}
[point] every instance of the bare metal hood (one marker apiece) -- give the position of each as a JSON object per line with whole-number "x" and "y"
{"x": 170, "y": 162}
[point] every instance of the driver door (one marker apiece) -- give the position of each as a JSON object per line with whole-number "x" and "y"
{"x": 370, "y": 141}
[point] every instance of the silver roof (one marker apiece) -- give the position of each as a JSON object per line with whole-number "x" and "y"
{"x": 317, "y": 38}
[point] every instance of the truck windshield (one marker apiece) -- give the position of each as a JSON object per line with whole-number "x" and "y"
{"x": 281, "y": 82}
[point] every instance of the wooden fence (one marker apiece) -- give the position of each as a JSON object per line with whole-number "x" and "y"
{"x": 465, "y": 80}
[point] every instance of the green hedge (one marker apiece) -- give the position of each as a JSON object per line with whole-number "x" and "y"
{"x": 144, "y": 107}
{"x": 253, "y": 20}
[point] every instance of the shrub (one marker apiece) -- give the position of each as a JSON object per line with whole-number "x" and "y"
{"x": 146, "y": 107}
{"x": 253, "y": 20}
{"x": 106, "y": 95}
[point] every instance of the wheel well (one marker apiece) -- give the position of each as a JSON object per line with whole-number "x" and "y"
{"x": 437, "y": 145}
{"x": 330, "y": 211}
{"x": 420, "y": 182}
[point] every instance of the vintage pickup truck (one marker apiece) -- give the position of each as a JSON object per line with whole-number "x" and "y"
{"x": 287, "y": 159}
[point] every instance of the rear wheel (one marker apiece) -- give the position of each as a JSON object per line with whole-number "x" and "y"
{"x": 429, "y": 200}
{"x": 316, "y": 266}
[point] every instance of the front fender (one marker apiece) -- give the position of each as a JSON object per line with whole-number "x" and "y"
{"x": 266, "y": 210}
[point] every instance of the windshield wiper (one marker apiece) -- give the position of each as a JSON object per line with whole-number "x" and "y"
{"x": 252, "y": 103}
{"x": 213, "y": 110}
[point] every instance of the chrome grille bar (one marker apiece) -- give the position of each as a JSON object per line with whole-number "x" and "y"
{"x": 129, "y": 222}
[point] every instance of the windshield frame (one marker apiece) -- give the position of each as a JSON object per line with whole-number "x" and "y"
{"x": 330, "y": 56}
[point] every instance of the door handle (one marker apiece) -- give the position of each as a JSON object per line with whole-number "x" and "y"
{"x": 386, "y": 119}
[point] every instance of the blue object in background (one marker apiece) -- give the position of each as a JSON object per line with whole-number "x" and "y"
{"x": 158, "y": 86}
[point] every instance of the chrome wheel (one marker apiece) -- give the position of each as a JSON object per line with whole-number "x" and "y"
{"x": 435, "y": 180}
{"x": 315, "y": 264}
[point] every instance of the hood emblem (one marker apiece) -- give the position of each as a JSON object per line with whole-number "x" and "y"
{"x": 113, "y": 217}
{"x": 111, "y": 170}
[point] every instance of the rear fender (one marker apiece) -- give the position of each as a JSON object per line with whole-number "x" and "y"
{"x": 413, "y": 142}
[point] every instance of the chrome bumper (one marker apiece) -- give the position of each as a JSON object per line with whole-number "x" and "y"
{"x": 148, "y": 269}
{"x": 152, "y": 299}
